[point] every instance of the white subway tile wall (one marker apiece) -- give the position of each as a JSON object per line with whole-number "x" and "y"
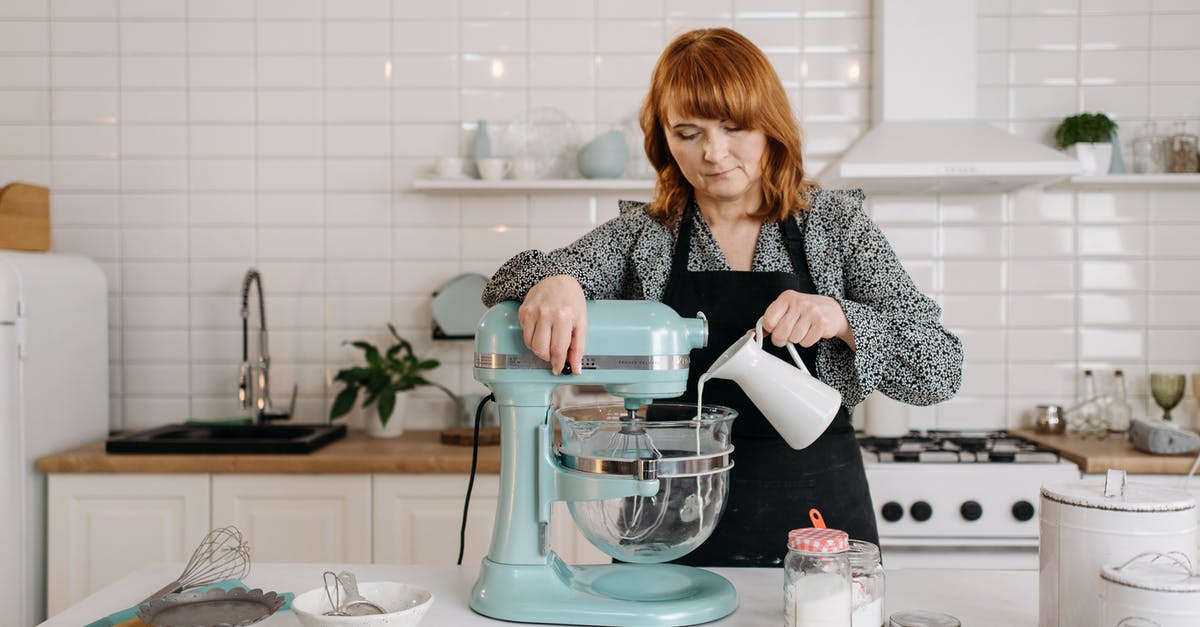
{"x": 1104, "y": 280}
{"x": 186, "y": 141}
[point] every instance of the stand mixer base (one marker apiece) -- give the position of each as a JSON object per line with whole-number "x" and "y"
{"x": 617, "y": 595}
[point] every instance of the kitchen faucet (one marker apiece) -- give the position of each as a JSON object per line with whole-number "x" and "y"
{"x": 265, "y": 411}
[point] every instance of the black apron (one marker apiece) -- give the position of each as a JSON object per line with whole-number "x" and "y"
{"x": 772, "y": 487}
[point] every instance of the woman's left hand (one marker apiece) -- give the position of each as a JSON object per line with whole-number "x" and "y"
{"x": 806, "y": 318}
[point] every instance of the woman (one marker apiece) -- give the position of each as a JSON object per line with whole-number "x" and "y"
{"x": 737, "y": 232}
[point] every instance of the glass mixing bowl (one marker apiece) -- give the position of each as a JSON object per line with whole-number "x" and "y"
{"x": 691, "y": 452}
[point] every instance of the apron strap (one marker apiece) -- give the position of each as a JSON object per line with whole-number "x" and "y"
{"x": 683, "y": 244}
{"x": 793, "y": 236}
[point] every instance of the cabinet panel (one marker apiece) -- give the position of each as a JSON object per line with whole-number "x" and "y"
{"x": 417, "y": 518}
{"x": 297, "y": 518}
{"x": 101, "y": 527}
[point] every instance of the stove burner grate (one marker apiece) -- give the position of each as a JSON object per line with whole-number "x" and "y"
{"x": 956, "y": 446}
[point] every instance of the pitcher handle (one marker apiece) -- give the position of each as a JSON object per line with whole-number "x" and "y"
{"x": 791, "y": 348}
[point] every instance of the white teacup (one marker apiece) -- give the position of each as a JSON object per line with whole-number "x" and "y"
{"x": 796, "y": 403}
{"x": 492, "y": 168}
{"x": 448, "y": 167}
{"x": 524, "y": 168}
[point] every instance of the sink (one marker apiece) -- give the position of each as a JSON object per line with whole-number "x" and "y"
{"x": 246, "y": 439}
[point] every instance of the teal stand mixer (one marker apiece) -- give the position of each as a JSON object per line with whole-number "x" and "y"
{"x": 643, "y": 491}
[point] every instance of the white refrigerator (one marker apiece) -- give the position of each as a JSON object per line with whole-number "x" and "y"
{"x": 53, "y": 395}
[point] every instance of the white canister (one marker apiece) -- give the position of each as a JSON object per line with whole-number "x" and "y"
{"x": 1089, "y": 524}
{"x": 1150, "y": 589}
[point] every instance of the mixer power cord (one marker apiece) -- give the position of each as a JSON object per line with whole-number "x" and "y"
{"x": 462, "y": 530}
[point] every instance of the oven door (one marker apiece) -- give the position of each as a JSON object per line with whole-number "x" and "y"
{"x": 960, "y": 553}
{"x": 960, "y": 515}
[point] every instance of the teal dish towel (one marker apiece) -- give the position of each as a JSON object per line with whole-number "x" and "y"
{"x": 229, "y": 584}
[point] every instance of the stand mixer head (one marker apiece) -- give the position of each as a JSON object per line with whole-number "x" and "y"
{"x": 639, "y": 351}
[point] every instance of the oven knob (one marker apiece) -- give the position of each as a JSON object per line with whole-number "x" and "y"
{"x": 1022, "y": 510}
{"x": 971, "y": 510}
{"x": 920, "y": 511}
{"x": 892, "y": 511}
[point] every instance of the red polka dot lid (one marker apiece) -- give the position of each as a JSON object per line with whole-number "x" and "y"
{"x": 818, "y": 540}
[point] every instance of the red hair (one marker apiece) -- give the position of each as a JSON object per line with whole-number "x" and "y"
{"x": 718, "y": 74}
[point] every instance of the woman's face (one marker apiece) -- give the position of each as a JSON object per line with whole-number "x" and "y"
{"x": 720, "y": 160}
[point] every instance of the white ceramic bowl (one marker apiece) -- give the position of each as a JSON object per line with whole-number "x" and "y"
{"x": 406, "y": 605}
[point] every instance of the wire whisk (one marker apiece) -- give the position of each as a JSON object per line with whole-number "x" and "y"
{"x": 222, "y": 554}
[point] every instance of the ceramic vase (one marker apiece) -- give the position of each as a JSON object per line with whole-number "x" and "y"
{"x": 604, "y": 157}
{"x": 395, "y": 425}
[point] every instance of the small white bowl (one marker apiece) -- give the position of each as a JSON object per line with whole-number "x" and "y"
{"x": 406, "y": 605}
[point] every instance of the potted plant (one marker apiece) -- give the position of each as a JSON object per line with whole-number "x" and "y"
{"x": 387, "y": 378}
{"x": 1091, "y": 136}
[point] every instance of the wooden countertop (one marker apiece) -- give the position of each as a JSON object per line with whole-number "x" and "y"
{"x": 1113, "y": 453}
{"x": 416, "y": 452}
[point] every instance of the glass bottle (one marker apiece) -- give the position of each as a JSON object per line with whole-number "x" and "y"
{"x": 1120, "y": 412}
{"x": 867, "y": 578}
{"x": 816, "y": 579}
{"x": 1182, "y": 150}
{"x": 1088, "y": 418}
{"x": 1149, "y": 151}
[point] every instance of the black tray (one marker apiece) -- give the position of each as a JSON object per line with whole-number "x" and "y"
{"x": 243, "y": 439}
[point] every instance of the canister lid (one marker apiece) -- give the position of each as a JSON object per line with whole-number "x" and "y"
{"x": 1131, "y": 497}
{"x": 818, "y": 540}
{"x": 1159, "y": 572}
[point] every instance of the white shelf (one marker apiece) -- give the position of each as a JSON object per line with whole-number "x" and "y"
{"x": 1136, "y": 181}
{"x": 534, "y": 185}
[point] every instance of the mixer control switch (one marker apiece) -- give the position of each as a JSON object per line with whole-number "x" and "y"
{"x": 971, "y": 510}
{"x": 892, "y": 511}
{"x": 920, "y": 511}
{"x": 1022, "y": 510}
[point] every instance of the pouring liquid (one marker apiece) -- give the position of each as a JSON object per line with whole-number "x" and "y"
{"x": 699, "y": 413}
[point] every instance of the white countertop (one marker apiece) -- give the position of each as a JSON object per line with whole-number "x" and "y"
{"x": 978, "y": 598}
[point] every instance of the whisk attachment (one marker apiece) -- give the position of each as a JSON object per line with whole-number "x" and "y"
{"x": 631, "y": 441}
{"x": 222, "y": 554}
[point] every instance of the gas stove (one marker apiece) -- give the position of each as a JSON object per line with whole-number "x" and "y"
{"x": 959, "y": 498}
{"x": 944, "y": 446}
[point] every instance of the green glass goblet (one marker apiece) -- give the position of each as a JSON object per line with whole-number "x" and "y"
{"x": 1167, "y": 390}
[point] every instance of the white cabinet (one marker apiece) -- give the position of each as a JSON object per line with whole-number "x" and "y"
{"x": 417, "y": 518}
{"x": 101, "y": 527}
{"x": 297, "y": 518}
{"x": 418, "y": 521}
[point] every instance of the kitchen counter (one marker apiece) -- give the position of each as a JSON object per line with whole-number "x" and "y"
{"x": 1094, "y": 455}
{"x": 415, "y": 452}
{"x": 978, "y": 598}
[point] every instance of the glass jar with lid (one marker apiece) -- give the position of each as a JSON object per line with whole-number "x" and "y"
{"x": 816, "y": 578}
{"x": 867, "y": 579}
{"x": 1150, "y": 151}
{"x": 1183, "y": 157}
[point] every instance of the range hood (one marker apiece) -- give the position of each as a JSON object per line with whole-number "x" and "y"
{"x": 925, "y": 138}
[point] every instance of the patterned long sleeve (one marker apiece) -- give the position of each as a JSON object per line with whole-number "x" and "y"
{"x": 902, "y": 349}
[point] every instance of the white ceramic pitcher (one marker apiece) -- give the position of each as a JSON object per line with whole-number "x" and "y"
{"x": 796, "y": 403}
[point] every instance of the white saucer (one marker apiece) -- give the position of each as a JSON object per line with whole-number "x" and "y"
{"x": 456, "y": 177}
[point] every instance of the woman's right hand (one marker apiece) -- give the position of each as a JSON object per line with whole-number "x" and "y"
{"x": 554, "y": 320}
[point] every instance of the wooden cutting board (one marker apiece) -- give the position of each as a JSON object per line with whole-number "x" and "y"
{"x": 465, "y": 436}
{"x": 24, "y": 217}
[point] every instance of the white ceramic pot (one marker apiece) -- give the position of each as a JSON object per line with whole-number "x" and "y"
{"x": 395, "y": 425}
{"x": 1152, "y": 589}
{"x": 1089, "y": 524}
{"x": 1094, "y": 158}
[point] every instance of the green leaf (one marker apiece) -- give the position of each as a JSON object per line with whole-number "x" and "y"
{"x": 387, "y": 403}
{"x": 371, "y": 353}
{"x": 344, "y": 401}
